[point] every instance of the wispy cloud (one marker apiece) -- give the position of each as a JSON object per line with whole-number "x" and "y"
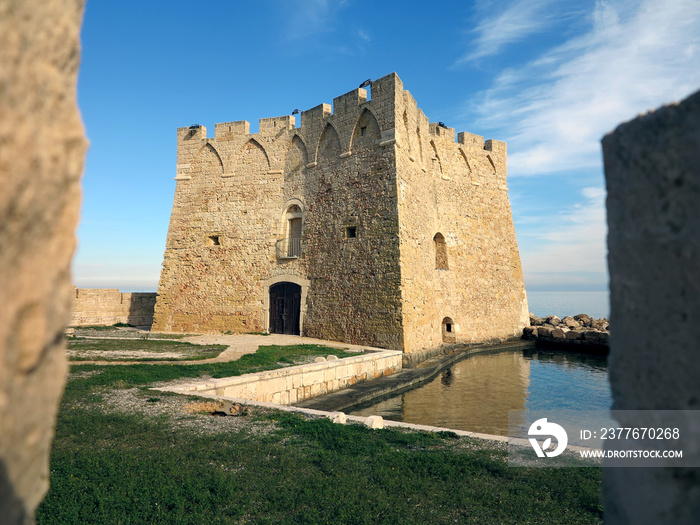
{"x": 363, "y": 35}
{"x": 567, "y": 250}
{"x": 518, "y": 20}
{"x": 310, "y": 17}
{"x": 554, "y": 110}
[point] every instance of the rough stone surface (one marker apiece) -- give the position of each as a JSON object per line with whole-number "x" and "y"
{"x": 42, "y": 148}
{"x": 338, "y": 417}
{"x": 108, "y": 306}
{"x": 652, "y": 167}
{"x": 398, "y": 235}
{"x": 579, "y": 330}
{"x": 375, "y": 422}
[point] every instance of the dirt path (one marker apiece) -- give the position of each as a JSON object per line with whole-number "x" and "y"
{"x": 238, "y": 346}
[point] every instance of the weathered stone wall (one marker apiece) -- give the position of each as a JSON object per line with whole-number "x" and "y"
{"x": 652, "y": 168}
{"x": 373, "y": 182}
{"x": 297, "y": 383}
{"x": 238, "y": 188}
{"x": 456, "y": 192}
{"x": 108, "y": 306}
{"x": 42, "y": 147}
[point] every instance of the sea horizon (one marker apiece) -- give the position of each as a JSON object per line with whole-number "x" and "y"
{"x": 563, "y": 303}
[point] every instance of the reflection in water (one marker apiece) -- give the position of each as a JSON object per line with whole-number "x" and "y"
{"x": 476, "y": 393}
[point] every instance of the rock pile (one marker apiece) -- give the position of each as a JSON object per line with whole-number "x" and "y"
{"x": 580, "y": 329}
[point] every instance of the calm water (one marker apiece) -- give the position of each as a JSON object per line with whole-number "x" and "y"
{"x": 595, "y": 304}
{"x": 476, "y": 393}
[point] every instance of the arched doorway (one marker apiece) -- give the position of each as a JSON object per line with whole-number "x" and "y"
{"x": 285, "y": 307}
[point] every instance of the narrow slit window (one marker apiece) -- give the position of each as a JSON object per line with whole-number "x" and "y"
{"x": 351, "y": 232}
{"x": 441, "y": 262}
{"x": 215, "y": 240}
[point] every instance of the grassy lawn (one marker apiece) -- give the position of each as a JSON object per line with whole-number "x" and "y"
{"x": 82, "y": 349}
{"x": 125, "y": 454}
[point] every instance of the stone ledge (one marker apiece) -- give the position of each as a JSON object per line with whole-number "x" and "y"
{"x": 297, "y": 383}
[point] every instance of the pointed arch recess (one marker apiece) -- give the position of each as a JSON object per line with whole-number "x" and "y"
{"x": 407, "y": 134}
{"x": 296, "y": 158}
{"x": 366, "y": 130}
{"x": 420, "y": 145}
{"x": 252, "y": 157}
{"x": 493, "y": 166}
{"x": 208, "y": 160}
{"x": 436, "y": 157}
{"x": 328, "y": 148}
{"x": 466, "y": 161}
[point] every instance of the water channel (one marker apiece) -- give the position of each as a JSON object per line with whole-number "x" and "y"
{"x": 476, "y": 393}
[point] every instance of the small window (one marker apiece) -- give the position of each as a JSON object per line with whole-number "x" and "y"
{"x": 363, "y": 131}
{"x": 215, "y": 240}
{"x": 441, "y": 262}
{"x": 448, "y": 331}
{"x": 350, "y": 232}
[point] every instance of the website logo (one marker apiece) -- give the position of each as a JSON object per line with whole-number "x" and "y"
{"x": 542, "y": 427}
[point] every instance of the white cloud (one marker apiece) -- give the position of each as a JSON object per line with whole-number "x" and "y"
{"x": 520, "y": 19}
{"x": 568, "y": 249}
{"x": 554, "y": 110}
{"x": 310, "y": 17}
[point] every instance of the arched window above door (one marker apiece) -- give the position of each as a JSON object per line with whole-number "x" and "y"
{"x": 289, "y": 247}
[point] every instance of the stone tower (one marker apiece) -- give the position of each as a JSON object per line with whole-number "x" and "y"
{"x": 367, "y": 224}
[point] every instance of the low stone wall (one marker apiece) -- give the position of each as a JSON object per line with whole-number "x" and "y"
{"x": 108, "y": 306}
{"x": 297, "y": 383}
{"x": 580, "y": 329}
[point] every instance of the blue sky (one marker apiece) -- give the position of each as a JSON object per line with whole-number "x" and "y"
{"x": 548, "y": 77}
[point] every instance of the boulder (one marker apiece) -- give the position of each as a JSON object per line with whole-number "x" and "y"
{"x": 574, "y": 335}
{"x": 338, "y": 417}
{"x": 553, "y": 320}
{"x": 544, "y": 331}
{"x": 558, "y": 333}
{"x": 570, "y": 322}
{"x": 584, "y": 319}
{"x": 534, "y": 320}
{"x": 530, "y": 331}
{"x": 374, "y": 422}
{"x": 600, "y": 324}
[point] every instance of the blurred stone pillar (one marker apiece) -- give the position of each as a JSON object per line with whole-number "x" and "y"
{"x": 42, "y": 147}
{"x": 652, "y": 167}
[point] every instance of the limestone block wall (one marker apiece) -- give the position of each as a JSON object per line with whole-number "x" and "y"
{"x": 108, "y": 306}
{"x": 652, "y": 169}
{"x": 462, "y": 280}
{"x": 233, "y": 194}
{"x": 353, "y": 258}
{"x": 297, "y": 383}
{"x": 42, "y": 148}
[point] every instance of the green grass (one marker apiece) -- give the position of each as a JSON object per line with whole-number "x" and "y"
{"x": 91, "y": 349}
{"x": 92, "y": 377}
{"x": 111, "y": 468}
